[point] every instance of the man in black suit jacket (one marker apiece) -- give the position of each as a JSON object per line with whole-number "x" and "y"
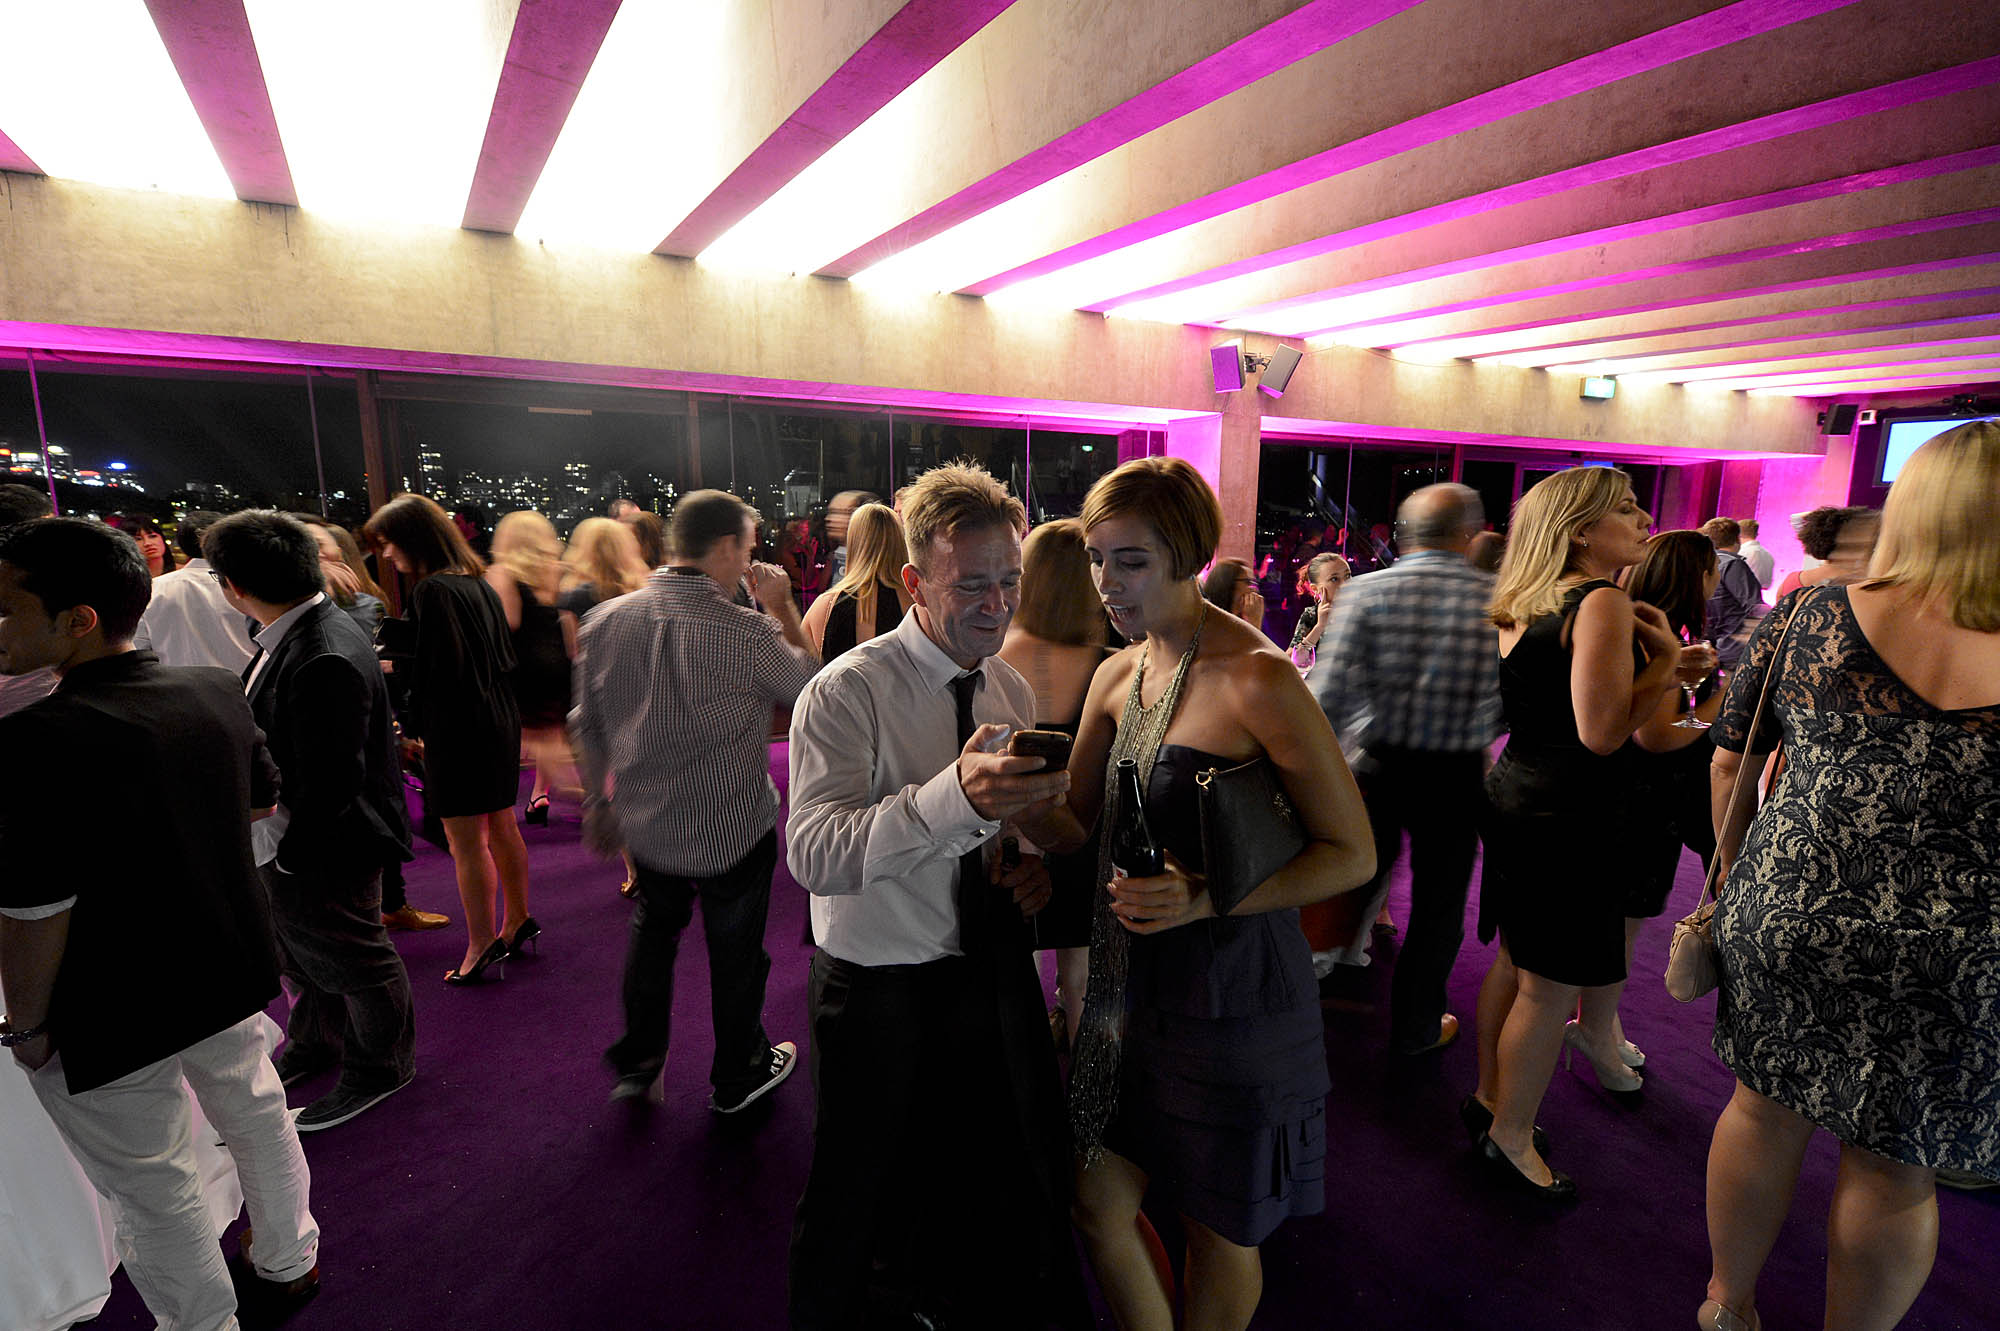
{"x": 317, "y": 691}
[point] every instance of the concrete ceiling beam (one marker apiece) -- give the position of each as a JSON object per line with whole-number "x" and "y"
{"x": 549, "y": 53}
{"x": 215, "y": 55}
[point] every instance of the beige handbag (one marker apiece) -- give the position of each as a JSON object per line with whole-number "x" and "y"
{"x": 1692, "y": 965}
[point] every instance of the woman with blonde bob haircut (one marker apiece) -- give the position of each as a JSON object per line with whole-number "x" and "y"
{"x": 1582, "y": 666}
{"x": 525, "y": 574}
{"x": 869, "y": 600}
{"x": 1858, "y": 934}
{"x": 1200, "y": 1066}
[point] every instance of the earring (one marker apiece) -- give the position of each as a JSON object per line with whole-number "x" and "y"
{"x": 1585, "y": 544}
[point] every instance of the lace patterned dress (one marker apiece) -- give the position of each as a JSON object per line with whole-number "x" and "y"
{"x": 1859, "y": 930}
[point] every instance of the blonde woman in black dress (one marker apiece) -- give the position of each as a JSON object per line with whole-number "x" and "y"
{"x": 463, "y": 711}
{"x": 1581, "y": 667}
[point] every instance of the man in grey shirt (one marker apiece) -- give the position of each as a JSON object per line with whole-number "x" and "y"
{"x": 675, "y": 684}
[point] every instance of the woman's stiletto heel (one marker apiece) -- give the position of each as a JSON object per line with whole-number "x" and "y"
{"x": 1712, "y": 1316}
{"x": 1560, "y": 1187}
{"x": 494, "y": 958}
{"x": 1477, "y": 1119}
{"x": 529, "y": 932}
{"x": 537, "y": 812}
{"x": 1614, "y": 1077}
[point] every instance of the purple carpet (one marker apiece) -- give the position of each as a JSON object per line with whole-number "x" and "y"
{"x": 501, "y": 1190}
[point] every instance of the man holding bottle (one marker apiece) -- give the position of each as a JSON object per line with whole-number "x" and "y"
{"x": 940, "y": 1173}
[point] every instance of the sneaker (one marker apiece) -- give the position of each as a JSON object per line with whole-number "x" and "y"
{"x": 407, "y": 918}
{"x": 339, "y": 1105}
{"x": 783, "y": 1056}
{"x": 297, "y": 1064}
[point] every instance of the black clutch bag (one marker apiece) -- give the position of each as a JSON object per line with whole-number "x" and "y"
{"x": 397, "y": 637}
{"x": 1249, "y": 829}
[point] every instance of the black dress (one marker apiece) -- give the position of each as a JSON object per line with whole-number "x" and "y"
{"x": 1222, "y": 1070}
{"x": 541, "y": 675}
{"x": 842, "y": 628}
{"x": 1670, "y": 809}
{"x": 1557, "y": 826}
{"x": 1859, "y": 931}
{"x": 460, "y": 702}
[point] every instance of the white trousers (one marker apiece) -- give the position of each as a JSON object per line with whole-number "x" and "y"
{"x": 134, "y": 1139}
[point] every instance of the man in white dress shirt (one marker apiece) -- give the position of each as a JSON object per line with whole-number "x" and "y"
{"x": 188, "y": 622}
{"x": 1761, "y": 561}
{"x": 940, "y": 1169}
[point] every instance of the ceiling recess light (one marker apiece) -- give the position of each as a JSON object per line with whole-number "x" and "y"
{"x": 1601, "y": 387}
{"x": 661, "y": 70}
{"x": 402, "y": 144}
{"x": 90, "y": 94}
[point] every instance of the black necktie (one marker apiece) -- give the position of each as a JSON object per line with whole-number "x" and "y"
{"x": 973, "y": 894}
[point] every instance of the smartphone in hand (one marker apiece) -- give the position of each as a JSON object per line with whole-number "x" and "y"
{"x": 1050, "y": 745}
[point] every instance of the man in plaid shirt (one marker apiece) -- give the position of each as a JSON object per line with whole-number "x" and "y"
{"x": 1409, "y": 674}
{"x": 675, "y": 684}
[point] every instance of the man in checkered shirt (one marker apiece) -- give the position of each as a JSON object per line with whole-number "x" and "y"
{"x": 675, "y": 684}
{"x": 1409, "y": 674}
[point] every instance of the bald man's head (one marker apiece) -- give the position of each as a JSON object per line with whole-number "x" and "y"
{"x": 1440, "y": 517}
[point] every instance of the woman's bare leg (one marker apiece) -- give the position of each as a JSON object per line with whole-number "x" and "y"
{"x": 473, "y": 863}
{"x": 1106, "y": 1214}
{"x": 1881, "y": 1240}
{"x": 1496, "y": 1000}
{"x": 1753, "y": 1166}
{"x": 510, "y": 860}
{"x": 1529, "y": 1043}
{"x": 1224, "y": 1281}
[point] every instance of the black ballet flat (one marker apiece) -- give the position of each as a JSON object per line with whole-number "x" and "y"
{"x": 1561, "y": 1187}
{"x": 1478, "y": 1119}
{"x": 494, "y": 958}
{"x": 527, "y": 933}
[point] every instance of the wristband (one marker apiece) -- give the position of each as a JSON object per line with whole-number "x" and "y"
{"x": 10, "y": 1038}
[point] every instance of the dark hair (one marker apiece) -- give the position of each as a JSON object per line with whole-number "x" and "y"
{"x": 1219, "y": 587}
{"x": 68, "y": 562}
{"x": 430, "y": 540}
{"x": 22, "y": 503}
{"x": 705, "y": 517}
{"x": 188, "y": 533}
{"x": 1819, "y": 530}
{"x": 1669, "y": 576}
{"x": 650, "y": 529}
{"x": 267, "y": 555}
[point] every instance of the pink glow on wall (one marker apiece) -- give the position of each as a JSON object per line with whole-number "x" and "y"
{"x": 1311, "y": 27}
{"x": 1798, "y": 120}
{"x": 1198, "y": 440}
{"x": 1051, "y": 413}
{"x": 13, "y": 159}
{"x": 920, "y": 34}
{"x": 1722, "y": 27}
{"x": 1295, "y": 429}
{"x": 1839, "y": 240}
{"x": 1711, "y": 297}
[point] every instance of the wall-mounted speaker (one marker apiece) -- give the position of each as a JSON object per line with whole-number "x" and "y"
{"x": 1840, "y": 418}
{"x": 1226, "y": 363}
{"x": 1284, "y": 360}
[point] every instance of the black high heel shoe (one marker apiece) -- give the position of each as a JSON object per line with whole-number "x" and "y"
{"x": 1560, "y": 1188}
{"x": 494, "y": 958}
{"x": 537, "y": 811}
{"x": 527, "y": 933}
{"x": 1478, "y": 1119}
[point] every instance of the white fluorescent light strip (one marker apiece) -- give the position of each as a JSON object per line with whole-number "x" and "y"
{"x": 1845, "y": 373}
{"x": 90, "y": 94}
{"x": 1844, "y": 389}
{"x": 638, "y": 152}
{"x": 382, "y": 104}
{"x": 1933, "y": 351}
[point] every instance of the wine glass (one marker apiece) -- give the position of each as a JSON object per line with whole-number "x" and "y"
{"x": 1691, "y": 721}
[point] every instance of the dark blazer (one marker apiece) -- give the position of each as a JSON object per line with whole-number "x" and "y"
{"x": 324, "y": 709}
{"x": 130, "y": 789}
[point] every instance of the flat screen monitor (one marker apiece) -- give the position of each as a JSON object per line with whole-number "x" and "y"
{"x": 1905, "y": 437}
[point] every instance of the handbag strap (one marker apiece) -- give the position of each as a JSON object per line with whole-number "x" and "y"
{"x": 1756, "y": 719}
